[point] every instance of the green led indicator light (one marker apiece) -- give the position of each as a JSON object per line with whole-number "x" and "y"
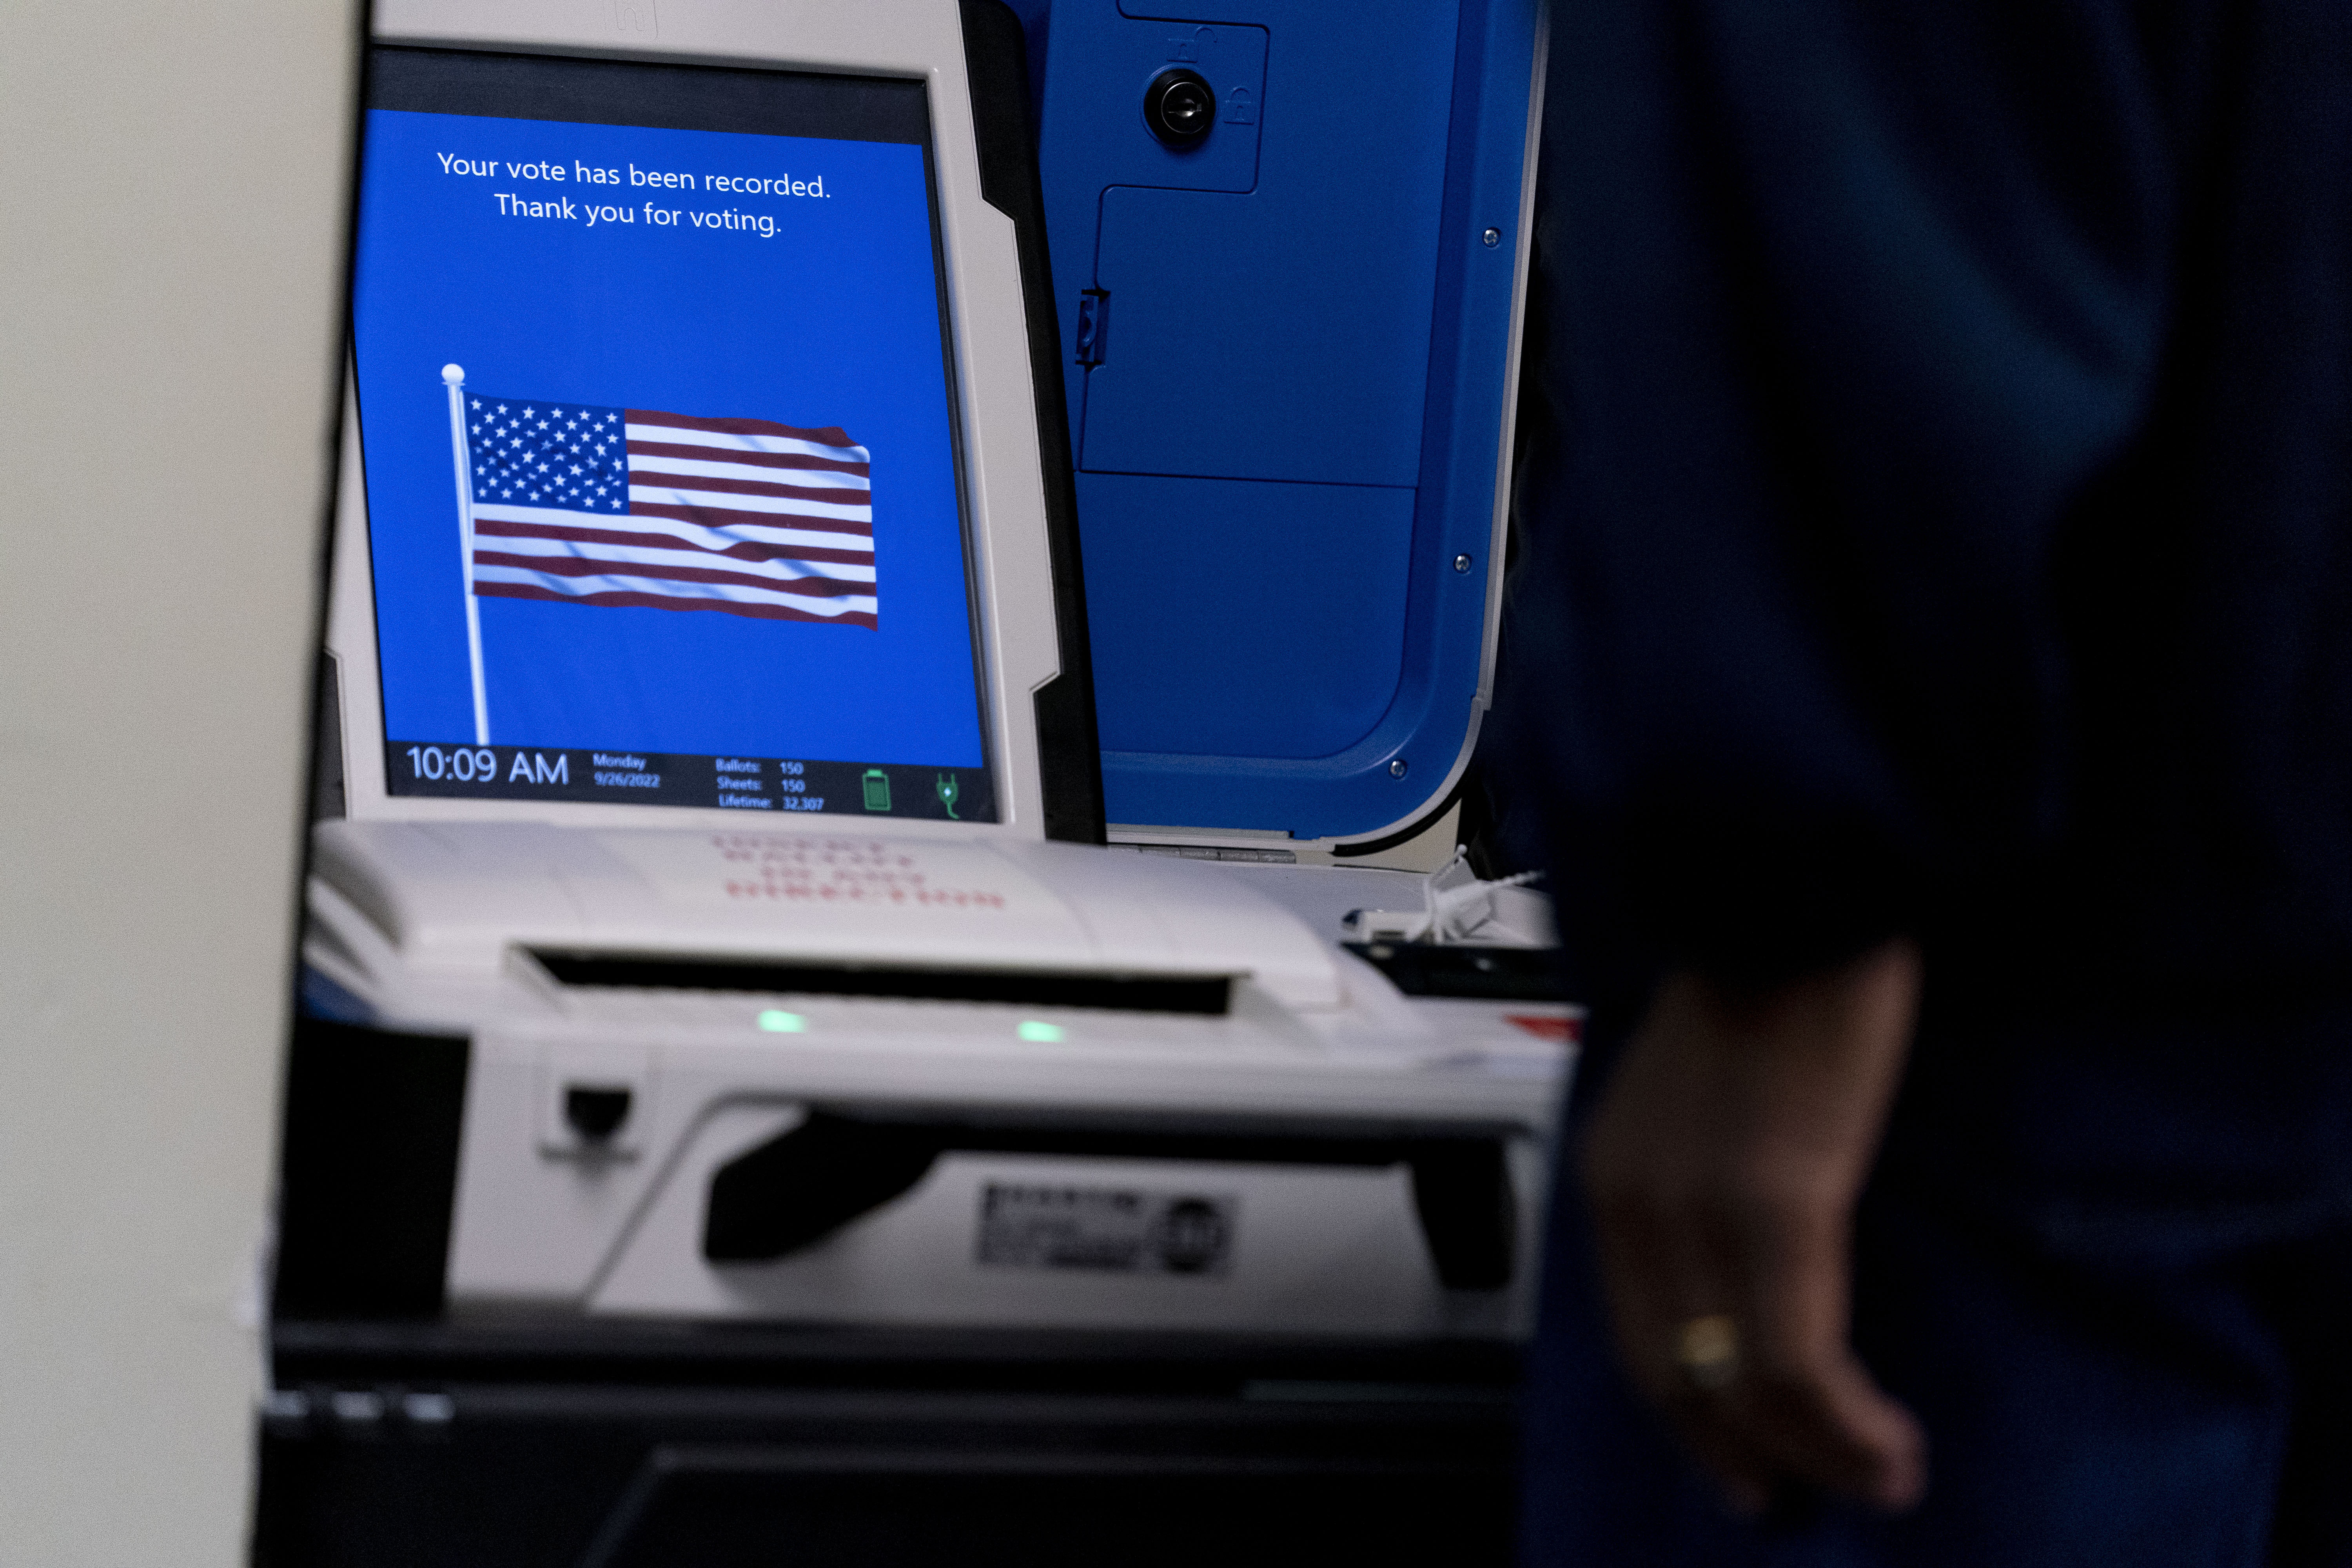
{"x": 1043, "y": 1034}
{"x": 776, "y": 1021}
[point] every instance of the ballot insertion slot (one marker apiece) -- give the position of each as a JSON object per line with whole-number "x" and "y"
{"x": 1209, "y": 995}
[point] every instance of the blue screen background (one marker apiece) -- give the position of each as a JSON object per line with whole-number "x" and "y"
{"x": 835, "y": 321}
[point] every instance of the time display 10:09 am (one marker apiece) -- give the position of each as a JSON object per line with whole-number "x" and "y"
{"x": 480, "y": 765}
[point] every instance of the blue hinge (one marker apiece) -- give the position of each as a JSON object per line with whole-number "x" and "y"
{"x": 1093, "y": 324}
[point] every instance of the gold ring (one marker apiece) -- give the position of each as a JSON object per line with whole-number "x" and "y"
{"x": 1706, "y": 1350}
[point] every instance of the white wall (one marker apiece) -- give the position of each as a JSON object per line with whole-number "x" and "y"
{"x": 172, "y": 224}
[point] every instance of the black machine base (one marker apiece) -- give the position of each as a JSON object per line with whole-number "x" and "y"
{"x": 427, "y": 1445}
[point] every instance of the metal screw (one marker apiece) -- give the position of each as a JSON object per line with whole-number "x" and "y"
{"x": 429, "y": 1409}
{"x": 1462, "y": 563}
{"x": 286, "y": 1411}
{"x": 357, "y": 1407}
{"x": 1396, "y": 769}
{"x": 1493, "y": 236}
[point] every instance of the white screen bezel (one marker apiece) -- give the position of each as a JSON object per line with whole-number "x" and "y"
{"x": 1010, "y": 568}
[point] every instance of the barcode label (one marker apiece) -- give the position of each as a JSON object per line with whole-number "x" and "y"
{"x": 1106, "y": 1230}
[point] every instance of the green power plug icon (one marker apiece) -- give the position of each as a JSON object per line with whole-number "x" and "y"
{"x": 948, "y": 790}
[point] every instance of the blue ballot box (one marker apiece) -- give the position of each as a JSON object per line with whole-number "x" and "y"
{"x": 1290, "y": 342}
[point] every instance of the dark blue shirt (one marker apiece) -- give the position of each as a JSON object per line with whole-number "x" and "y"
{"x": 1939, "y": 494}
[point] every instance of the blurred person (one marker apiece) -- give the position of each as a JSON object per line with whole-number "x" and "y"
{"x": 1932, "y": 664}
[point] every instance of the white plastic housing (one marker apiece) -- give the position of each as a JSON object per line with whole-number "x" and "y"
{"x": 430, "y": 927}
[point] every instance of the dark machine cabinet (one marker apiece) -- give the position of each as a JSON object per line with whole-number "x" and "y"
{"x": 427, "y": 1445}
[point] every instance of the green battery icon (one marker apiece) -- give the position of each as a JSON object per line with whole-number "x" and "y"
{"x": 878, "y": 790}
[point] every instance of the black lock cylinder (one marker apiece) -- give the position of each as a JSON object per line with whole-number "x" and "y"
{"x": 1179, "y": 108}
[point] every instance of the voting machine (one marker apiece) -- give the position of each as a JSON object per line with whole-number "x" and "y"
{"x": 730, "y": 918}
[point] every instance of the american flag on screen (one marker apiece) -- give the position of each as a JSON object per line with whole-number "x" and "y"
{"x": 671, "y": 511}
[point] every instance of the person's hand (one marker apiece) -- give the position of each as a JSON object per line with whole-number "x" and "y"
{"x": 1723, "y": 1165}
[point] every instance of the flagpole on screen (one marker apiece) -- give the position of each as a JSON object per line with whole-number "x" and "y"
{"x": 455, "y": 375}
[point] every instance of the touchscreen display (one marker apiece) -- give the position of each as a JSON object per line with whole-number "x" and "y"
{"x": 664, "y": 497}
